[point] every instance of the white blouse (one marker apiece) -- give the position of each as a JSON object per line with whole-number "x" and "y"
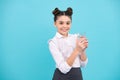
{"x": 61, "y": 48}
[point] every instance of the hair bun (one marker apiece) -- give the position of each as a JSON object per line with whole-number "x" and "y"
{"x": 69, "y": 11}
{"x": 56, "y": 11}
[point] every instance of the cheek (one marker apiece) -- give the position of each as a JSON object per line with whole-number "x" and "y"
{"x": 68, "y": 26}
{"x": 58, "y": 26}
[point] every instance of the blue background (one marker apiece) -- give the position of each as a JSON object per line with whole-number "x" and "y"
{"x": 27, "y": 25}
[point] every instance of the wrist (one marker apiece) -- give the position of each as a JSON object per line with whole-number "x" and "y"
{"x": 83, "y": 57}
{"x": 76, "y": 50}
{"x": 83, "y": 52}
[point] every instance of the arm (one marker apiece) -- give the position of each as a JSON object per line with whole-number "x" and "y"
{"x": 63, "y": 65}
{"x": 83, "y": 44}
{"x": 72, "y": 57}
{"x": 83, "y": 56}
{"x": 83, "y": 59}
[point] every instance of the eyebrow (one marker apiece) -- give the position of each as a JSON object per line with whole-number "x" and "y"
{"x": 64, "y": 21}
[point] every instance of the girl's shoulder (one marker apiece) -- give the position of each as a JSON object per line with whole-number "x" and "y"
{"x": 52, "y": 40}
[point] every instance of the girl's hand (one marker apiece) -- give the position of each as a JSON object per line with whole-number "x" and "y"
{"x": 82, "y": 43}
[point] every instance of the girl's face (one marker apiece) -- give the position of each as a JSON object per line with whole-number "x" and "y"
{"x": 63, "y": 24}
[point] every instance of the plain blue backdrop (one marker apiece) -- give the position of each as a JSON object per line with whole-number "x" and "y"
{"x": 27, "y": 25}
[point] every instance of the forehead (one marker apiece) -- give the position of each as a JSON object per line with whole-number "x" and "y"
{"x": 63, "y": 18}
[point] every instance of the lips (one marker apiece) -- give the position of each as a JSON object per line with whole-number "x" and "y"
{"x": 64, "y": 30}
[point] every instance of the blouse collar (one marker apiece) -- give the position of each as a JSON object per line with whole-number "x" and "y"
{"x": 60, "y": 36}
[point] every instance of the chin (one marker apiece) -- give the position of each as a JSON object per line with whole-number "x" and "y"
{"x": 65, "y": 33}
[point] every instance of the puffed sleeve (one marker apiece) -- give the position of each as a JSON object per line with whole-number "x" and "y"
{"x": 58, "y": 58}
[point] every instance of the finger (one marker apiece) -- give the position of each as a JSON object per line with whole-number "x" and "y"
{"x": 86, "y": 40}
{"x": 86, "y": 45}
{"x": 83, "y": 39}
{"x": 83, "y": 47}
{"x": 81, "y": 42}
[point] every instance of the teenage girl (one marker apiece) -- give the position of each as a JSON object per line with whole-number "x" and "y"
{"x": 68, "y": 51}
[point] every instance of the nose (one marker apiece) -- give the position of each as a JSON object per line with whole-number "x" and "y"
{"x": 65, "y": 25}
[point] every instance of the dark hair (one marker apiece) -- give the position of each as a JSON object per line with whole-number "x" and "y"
{"x": 56, "y": 12}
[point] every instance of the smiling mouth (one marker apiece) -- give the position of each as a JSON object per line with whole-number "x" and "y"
{"x": 64, "y": 30}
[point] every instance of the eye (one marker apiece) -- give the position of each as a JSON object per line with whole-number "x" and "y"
{"x": 68, "y": 23}
{"x": 61, "y": 23}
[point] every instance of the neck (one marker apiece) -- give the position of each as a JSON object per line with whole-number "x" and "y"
{"x": 65, "y": 35}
